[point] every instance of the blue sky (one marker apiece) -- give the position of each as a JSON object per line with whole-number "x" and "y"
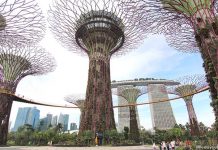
{"x": 154, "y": 58}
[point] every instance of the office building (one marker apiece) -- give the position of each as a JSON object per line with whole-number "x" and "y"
{"x": 27, "y": 115}
{"x": 73, "y": 126}
{"x": 64, "y": 119}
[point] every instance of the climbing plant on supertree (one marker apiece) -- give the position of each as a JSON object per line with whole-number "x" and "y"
{"x": 16, "y": 63}
{"x": 188, "y": 85}
{"x": 100, "y": 29}
{"x": 131, "y": 94}
{"x": 175, "y": 16}
{"x": 78, "y": 100}
{"x": 21, "y": 18}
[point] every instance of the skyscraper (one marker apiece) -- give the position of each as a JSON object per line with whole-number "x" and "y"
{"x": 63, "y": 119}
{"x": 73, "y": 126}
{"x": 54, "y": 121}
{"x": 33, "y": 117}
{"x": 49, "y": 119}
{"x": 27, "y": 115}
{"x": 43, "y": 124}
{"x": 161, "y": 113}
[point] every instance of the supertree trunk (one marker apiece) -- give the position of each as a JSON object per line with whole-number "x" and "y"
{"x": 206, "y": 31}
{"x": 192, "y": 118}
{"x": 210, "y": 73}
{"x": 134, "y": 131}
{"x": 5, "y": 109}
{"x": 98, "y": 114}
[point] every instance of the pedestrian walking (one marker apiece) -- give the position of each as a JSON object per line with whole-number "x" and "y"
{"x": 164, "y": 145}
{"x": 172, "y": 143}
{"x": 154, "y": 146}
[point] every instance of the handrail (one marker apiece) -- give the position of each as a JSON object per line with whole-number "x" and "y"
{"x": 20, "y": 98}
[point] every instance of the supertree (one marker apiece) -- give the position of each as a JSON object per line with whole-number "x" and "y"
{"x": 21, "y": 18}
{"x": 190, "y": 19}
{"x": 189, "y": 85}
{"x": 98, "y": 28}
{"x": 131, "y": 94}
{"x": 77, "y": 100}
{"x": 18, "y": 62}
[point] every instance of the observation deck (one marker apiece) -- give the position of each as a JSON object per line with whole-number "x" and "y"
{"x": 143, "y": 82}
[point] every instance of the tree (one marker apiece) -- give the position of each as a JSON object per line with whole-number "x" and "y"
{"x": 126, "y": 133}
{"x": 131, "y": 93}
{"x": 112, "y": 30}
{"x": 188, "y": 85}
{"x": 188, "y": 24}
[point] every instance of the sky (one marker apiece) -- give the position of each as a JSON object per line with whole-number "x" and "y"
{"x": 154, "y": 58}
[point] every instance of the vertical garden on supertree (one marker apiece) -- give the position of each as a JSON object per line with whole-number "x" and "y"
{"x": 131, "y": 94}
{"x": 189, "y": 85}
{"x": 18, "y": 62}
{"x": 77, "y": 100}
{"x": 181, "y": 16}
{"x": 100, "y": 29}
{"x": 21, "y": 25}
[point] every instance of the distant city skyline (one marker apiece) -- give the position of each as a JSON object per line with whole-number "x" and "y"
{"x": 31, "y": 116}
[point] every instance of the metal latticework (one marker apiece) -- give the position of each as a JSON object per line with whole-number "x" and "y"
{"x": 130, "y": 94}
{"x": 77, "y": 100}
{"x": 179, "y": 20}
{"x": 189, "y": 84}
{"x": 23, "y": 18}
{"x": 16, "y": 63}
{"x": 100, "y": 29}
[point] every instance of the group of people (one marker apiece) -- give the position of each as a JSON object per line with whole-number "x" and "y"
{"x": 98, "y": 138}
{"x": 165, "y": 145}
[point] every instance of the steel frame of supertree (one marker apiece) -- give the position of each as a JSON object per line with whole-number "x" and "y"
{"x": 100, "y": 29}
{"x": 189, "y": 84}
{"x": 21, "y": 25}
{"x": 131, "y": 94}
{"x": 179, "y": 20}
{"x": 21, "y": 18}
{"x": 18, "y": 62}
{"x": 78, "y": 100}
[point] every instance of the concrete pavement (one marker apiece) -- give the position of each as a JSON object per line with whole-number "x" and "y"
{"x": 76, "y": 148}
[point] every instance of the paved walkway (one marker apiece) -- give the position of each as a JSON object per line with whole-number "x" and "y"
{"x": 77, "y": 148}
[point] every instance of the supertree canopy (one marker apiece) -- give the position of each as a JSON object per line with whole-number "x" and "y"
{"x": 99, "y": 28}
{"x": 77, "y": 100}
{"x": 23, "y": 18}
{"x": 180, "y": 21}
{"x": 131, "y": 94}
{"x": 187, "y": 86}
{"x": 16, "y": 63}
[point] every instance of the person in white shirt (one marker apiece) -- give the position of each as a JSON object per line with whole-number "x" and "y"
{"x": 154, "y": 146}
{"x": 172, "y": 143}
{"x": 164, "y": 145}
